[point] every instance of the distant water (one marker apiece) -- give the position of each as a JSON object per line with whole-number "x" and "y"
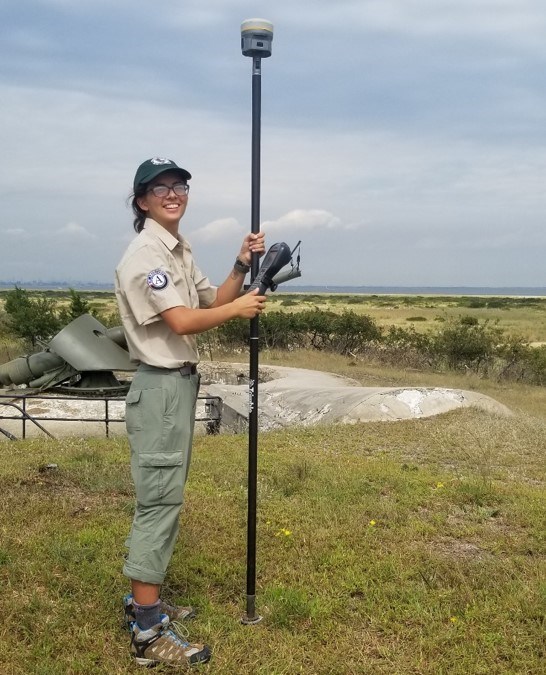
{"x": 419, "y": 290}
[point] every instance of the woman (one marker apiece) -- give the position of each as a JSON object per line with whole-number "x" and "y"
{"x": 164, "y": 301}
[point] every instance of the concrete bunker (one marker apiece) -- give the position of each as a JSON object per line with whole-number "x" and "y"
{"x": 73, "y": 378}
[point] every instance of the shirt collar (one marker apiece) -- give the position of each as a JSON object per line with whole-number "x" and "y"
{"x": 160, "y": 232}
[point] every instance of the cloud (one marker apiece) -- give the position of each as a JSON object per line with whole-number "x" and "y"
{"x": 217, "y": 230}
{"x": 506, "y": 18}
{"x": 16, "y": 232}
{"x": 302, "y": 220}
{"x": 75, "y": 231}
{"x": 396, "y": 134}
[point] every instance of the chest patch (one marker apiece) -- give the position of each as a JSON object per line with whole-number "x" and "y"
{"x": 157, "y": 279}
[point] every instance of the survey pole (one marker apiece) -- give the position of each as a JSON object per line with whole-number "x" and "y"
{"x": 256, "y": 39}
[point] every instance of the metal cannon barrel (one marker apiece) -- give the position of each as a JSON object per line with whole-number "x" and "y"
{"x": 83, "y": 346}
{"x": 27, "y": 368}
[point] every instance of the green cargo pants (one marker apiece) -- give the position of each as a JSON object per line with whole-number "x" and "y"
{"x": 160, "y": 417}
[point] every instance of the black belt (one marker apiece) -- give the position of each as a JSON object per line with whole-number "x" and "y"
{"x": 186, "y": 369}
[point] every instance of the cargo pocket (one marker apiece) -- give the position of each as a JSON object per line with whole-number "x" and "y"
{"x": 150, "y": 459}
{"x": 133, "y": 415}
{"x": 161, "y": 478}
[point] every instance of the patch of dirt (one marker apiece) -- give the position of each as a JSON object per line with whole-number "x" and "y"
{"x": 460, "y": 549}
{"x": 76, "y": 501}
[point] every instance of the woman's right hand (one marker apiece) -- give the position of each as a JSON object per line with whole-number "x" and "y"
{"x": 249, "y": 305}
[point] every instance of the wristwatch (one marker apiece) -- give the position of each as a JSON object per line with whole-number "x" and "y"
{"x": 241, "y": 267}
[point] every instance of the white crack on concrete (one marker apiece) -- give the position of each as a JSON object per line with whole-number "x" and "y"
{"x": 412, "y": 398}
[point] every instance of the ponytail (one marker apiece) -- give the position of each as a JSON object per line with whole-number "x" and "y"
{"x": 140, "y": 215}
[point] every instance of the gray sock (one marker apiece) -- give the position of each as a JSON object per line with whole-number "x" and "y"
{"x": 147, "y": 615}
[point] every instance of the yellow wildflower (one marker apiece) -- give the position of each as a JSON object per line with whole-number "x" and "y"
{"x": 283, "y": 531}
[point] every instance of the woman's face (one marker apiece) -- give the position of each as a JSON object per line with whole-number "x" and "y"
{"x": 167, "y": 211}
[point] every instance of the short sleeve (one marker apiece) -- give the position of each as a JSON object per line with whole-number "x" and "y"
{"x": 146, "y": 281}
{"x": 205, "y": 290}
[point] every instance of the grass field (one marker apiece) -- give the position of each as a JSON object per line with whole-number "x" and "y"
{"x": 414, "y": 547}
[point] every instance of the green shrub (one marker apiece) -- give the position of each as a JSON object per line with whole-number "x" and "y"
{"x": 32, "y": 319}
{"x": 522, "y": 362}
{"x": 472, "y": 303}
{"x": 466, "y": 343}
{"x": 535, "y": 362}
{"x": 319, "y": 329}
{"x": 231, "y": 335}
{"x": 351, "y": 331}
{"x": 407, "y": 338}
{"x": 469, "y": 320}
{"x": 462, "y": 343}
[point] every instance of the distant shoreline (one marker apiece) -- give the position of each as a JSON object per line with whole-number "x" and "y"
{"x": 506, "y": 291}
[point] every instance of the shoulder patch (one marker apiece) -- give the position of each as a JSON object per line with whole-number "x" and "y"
{"x": 157, "y": 279}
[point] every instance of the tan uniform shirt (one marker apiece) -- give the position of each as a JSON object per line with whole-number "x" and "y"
{"x": 157, "y": 272}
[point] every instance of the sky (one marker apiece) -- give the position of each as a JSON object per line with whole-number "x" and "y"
{"x": 403, "y": 141}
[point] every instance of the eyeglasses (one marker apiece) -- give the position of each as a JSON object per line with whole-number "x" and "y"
{"x": 161, "y": 190}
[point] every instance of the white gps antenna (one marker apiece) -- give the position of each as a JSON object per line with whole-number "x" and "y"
{"x": 256, "y": 38}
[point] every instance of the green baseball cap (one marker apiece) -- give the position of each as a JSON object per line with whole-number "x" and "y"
{"x": 154, "y": 167}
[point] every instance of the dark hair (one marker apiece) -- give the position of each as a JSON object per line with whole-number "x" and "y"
{"x": 140, "y": 215}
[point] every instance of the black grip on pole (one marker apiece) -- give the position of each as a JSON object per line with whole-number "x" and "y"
{"x": 275, "y": 259}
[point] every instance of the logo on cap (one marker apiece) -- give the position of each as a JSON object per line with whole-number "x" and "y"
{"x": 157, "y": 279}
{"x": 158, "y": 161}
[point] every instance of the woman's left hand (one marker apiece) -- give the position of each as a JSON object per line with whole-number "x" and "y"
{"x": 252, "y": 243}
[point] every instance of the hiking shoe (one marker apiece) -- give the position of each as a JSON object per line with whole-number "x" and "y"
{"x": 175, "y": 613}
{"x": 160, "y": 644}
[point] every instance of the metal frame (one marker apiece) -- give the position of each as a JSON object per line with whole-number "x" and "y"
{"x": 213, "y": 407}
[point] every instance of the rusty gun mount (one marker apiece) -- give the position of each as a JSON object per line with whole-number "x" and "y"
{"x": 80, "y": 359}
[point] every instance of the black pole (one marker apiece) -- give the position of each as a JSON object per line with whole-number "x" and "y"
{"x": 251, "y": 616}
{"x": 256, "y": 38}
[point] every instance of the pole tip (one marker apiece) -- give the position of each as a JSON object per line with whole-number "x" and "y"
{"x": 257, "y": 26}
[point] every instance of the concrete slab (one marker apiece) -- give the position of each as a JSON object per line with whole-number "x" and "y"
{"x": 289, "y": 396}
